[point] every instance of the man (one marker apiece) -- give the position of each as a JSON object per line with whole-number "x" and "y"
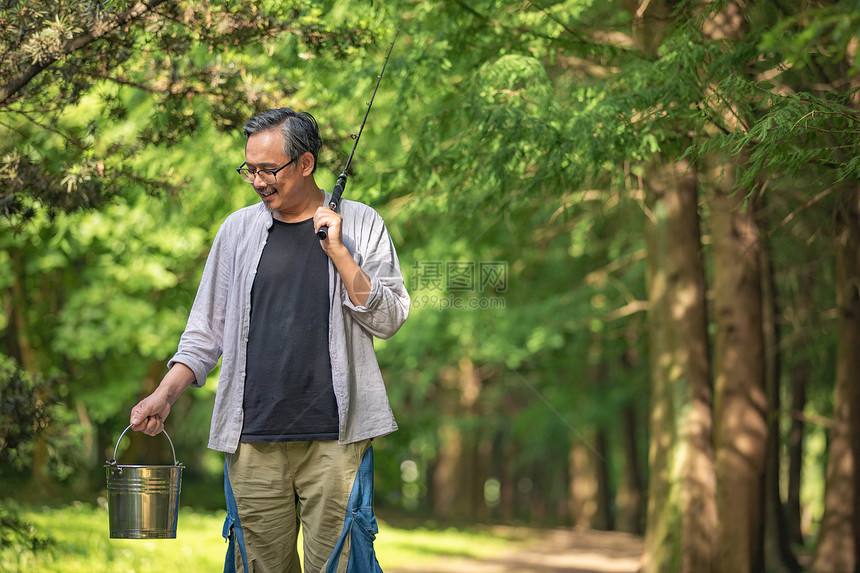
{"x": 292, "y": 318}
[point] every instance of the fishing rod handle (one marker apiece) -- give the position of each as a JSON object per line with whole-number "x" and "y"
{"x": 333, "y": 204}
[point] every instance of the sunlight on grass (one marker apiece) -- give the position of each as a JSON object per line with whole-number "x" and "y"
{"x": 82, "y": 540}
{"x": 82, "y": 543}
{"x": 400, "y": 547}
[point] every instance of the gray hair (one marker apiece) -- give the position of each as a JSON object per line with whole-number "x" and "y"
{"x": 299, "y": 128}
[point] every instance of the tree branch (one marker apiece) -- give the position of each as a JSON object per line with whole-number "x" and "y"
{"x": 99, "y": 30}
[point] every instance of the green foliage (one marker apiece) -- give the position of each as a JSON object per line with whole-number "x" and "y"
{"x": 196, "y": 62}
{"x": 815, "y": 36}
{"x": 25, "y": 412}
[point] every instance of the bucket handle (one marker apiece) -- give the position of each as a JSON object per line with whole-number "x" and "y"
{"x": 164, "y": 431}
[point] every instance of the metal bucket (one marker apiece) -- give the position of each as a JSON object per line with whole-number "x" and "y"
{"x": 143, "y": 501}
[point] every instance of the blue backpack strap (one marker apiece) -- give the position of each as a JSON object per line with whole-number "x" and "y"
{"x": 360, "y": 524}
{"x": 232, "y": 531}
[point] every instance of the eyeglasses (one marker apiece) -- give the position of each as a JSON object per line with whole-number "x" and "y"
{"x": 267, "y": 175}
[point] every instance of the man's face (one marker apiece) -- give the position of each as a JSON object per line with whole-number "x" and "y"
{"x": 265, "y": 150}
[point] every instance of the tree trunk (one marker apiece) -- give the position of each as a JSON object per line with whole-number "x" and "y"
{"x": 630, "y": 498}
{"x": 838, "y": 540}
{"x": 583, "y": 486}
{"x": 799, "y": 380}
{"x": 681, "y": 515}
{"x": 15, "y": 335}
{"x": 740, "y": 402}
{"x": 598, "y": 455}
{"x": 18, "y": 347}
{"x": 603, "y": 518}
{"x": 538, "y": 506}
{"x": 778, "y": 554}
{"x": 739, "y": 398}
{"x": 483, "y": 471}
{"x": 508, "y": 486}
{"x": 456, "y": 475}
{"x": 451, "y": 475}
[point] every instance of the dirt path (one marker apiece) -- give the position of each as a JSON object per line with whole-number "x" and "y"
{"x": 559, "y": 551}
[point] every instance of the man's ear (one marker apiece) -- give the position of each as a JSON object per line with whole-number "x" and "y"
{"x": 307, "y": 162}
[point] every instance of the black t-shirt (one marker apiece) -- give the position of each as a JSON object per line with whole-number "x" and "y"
{"x": 288, "y": 387}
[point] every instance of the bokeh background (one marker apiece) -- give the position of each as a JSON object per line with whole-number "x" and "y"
{"x": 630, "y": 230}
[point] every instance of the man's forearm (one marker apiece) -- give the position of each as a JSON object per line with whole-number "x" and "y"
{"x": 174, "y": 383}
{"x": 355, "y": 280}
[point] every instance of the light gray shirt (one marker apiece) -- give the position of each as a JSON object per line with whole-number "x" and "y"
{"x": 220, "y": 317}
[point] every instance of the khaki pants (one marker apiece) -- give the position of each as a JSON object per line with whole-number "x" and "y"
{"x": 277, "y": 486}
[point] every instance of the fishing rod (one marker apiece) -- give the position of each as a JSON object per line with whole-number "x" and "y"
{"x": 337, "y": 192}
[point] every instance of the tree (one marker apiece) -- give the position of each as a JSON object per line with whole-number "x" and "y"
{"x": 838, "y": 544}
{"x": 740, "y": 403}
{"x": 681, "y": 514}
{"x": 196, "y": 60}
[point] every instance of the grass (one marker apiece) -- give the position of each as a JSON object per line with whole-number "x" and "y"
{"x": 401, "y": 546}
{"x": 81, "y": 543}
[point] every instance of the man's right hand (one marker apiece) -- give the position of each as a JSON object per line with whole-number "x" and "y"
{"x": 149, "y": 414}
